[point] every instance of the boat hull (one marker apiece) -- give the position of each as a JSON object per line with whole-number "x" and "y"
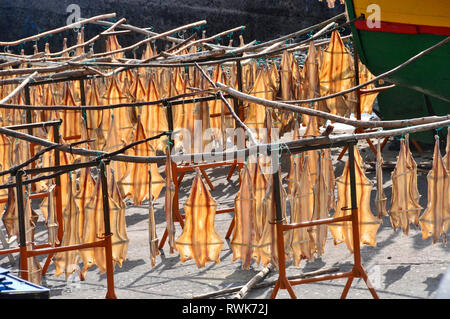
{"x": 395, "y": 41}
{"x": 406, "y": 28}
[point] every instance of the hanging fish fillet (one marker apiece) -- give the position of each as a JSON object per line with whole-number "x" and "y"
{"x": 67, "y": 262}
{"x": 5, "y": 163}
{"x": 405, "y": 206}
{"x": 244, "y": 241}
{"x": 256, "y": 112}
{"x": 169, "y": 205}
{"x": 286, "y": 87}
{"x": 293, "y": 161}
{"x": 368, "y": 224}
{"x": 70, "y": 128}
{"x": 199, "y": 240}
{"x": 310, "y": 87}
{"x": 435, "y": 220}
{"x": 267, "y": 244}
{"x": 336, "y": 75}
{"x": 302, "y": 205}
{"x": 327, "y": 170}
{"x": 94, "y": 118}
{"x": 323, "y": 202}
{"x": 48, "y": 209}
{"x": 380, "y": 198}
{"x": 154, "y": 117}
{"x": 10, "y": 218}
{"x": 94, "y": 229}
{"x": 120, "y": 238}
{"x": 259, "y": 183}
{"x": 367, "y": 100}
{"x": 121, "y": 169}
{"x": 312, "y": 130}
{"x": 138, "y": 188}
{"x": 152, "y": 236}
{"x": 446, "y": 159}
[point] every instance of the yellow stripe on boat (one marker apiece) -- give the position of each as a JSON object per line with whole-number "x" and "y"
{"x": 418, "y": 12}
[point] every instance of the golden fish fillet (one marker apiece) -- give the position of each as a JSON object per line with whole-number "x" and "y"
{"x": 70, "y": 127}
{"x": 48, "y": 209}
{"x": 154, "y": 117}
{"x": 366, "y": 100}
{"x": 114, "y": 143}
{"x": 405, "y": 208}
{"x": 380, "y": 198}
{"x": 259, "y": 183}
{"x": 243, "y": 242}
{"x": 302, "y": 206}
{"x": 323, "y": 202}
{"x": 199, "y": 240}
{"x": 434, "y": 221}
{"x": 256, "y": 113}
{"x": 294, "y": 160}
{"x": 368, "y": 224}
{"x": 446, "y": 159}
{"x": 94, "y": 230}
{"x": 267, "y": 244}
{"x": 139, "y": 185}
{"x": 10, "y": 216}
{"x": 310, "y": 87}
{"x": 169, "y": 204}
{"x": 152, "y": 236}
{"x": 217, "y": 106}
{"x": 120, "y": 238}
{"x": 336, "y": 75}
{"x": 286, "y": 87}
{"x": 327, "y": 170}
{"x": 67, "y": 262}
{"x": 95, "y": 117}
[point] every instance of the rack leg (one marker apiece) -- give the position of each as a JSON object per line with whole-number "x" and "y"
{"x": 230, "y": 173}
{"x": 47, "y": 263}
{"x": 211, "y": 187}
{"x": 347, "y": 287}
{"x": 110, "y": 294}
{"x": 230, "y": 229}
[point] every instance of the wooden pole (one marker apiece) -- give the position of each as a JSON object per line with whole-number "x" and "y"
{"x": 23, "y": 266}
{"x": 110, "y": 294}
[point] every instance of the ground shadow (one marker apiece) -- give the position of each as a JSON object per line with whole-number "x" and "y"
{"x": 393, "y": 275}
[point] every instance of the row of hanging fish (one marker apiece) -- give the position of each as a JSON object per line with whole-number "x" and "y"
{"x": 324, "y": 72}
{"x": 311, "y": 196}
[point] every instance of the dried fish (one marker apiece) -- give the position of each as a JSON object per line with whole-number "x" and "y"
{"x": 67, "y": 261}
{"x": 380, "y": 198}
{"x": 302, "y": 206}
{"x": 152, "y": 236}
{"x": 199, "y": 240}
{"x": 368, "y": 224}
{"x": 434, "y": 221}
{"x": 267, "y": 244}
{"x": 405, "y": 206}
{"x": 243, "y": 242}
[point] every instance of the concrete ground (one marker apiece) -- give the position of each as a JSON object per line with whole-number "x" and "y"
{"x": 400, "y": 266}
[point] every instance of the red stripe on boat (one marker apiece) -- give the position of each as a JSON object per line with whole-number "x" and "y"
{"x": 392, "y": 27}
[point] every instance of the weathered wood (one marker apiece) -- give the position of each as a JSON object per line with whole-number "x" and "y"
{"x": 326, "y": 115}
{"x": 155, "y": 37}
{"x": 265, "y": 284}
{"x": 252, "y": 283}
{"x": 64, "y": 28}
{"x": 18, "y": 89}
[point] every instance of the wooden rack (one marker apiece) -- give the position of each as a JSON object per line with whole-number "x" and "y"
{"x": 358, "y": 270}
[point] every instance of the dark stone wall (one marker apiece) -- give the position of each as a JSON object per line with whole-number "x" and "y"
{"x": 264, "y": 19}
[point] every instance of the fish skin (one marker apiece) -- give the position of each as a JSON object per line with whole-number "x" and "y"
{"x": 199, "y": 240}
